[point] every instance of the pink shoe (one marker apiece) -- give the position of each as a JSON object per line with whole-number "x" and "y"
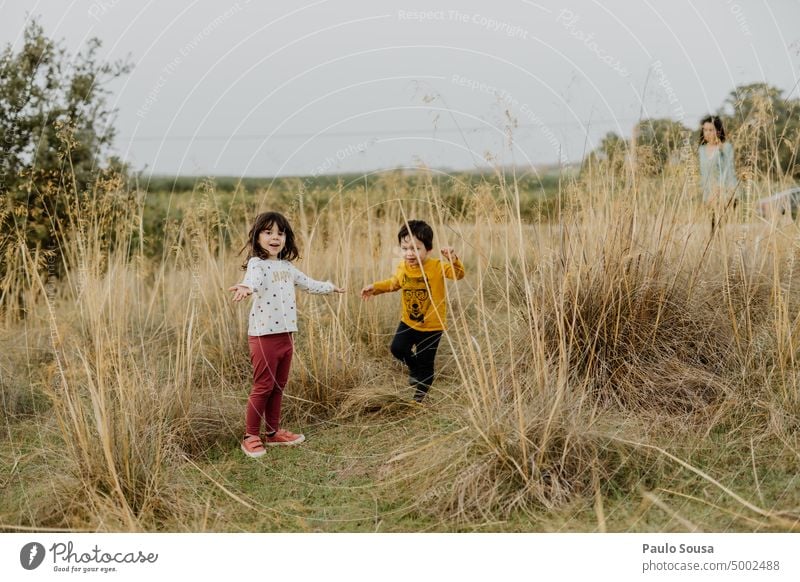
{"x": 283, "y": 438}
{"x": 253, "y": 447}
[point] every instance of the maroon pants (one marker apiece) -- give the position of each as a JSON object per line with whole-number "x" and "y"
{"x": 271, "y": 356}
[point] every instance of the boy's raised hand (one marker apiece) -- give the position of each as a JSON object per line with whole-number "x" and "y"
{"x": 240, "y": 292}
{"x": 449, "y": 253}
{"x": 367, "y": 292}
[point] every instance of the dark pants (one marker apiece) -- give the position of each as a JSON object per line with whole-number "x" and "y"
{"x": 417, "y": 350}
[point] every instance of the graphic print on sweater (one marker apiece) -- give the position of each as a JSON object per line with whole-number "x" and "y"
{"x": 415, "y": 298}
{"x": 281, "y": 277}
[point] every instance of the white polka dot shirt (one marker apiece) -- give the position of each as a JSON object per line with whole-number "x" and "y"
{"x": 275, "y": 307}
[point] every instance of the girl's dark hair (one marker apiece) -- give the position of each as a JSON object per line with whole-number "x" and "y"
{"x": 717, "y": 122}
{"x": 419, "y": 229}
{"x": 264, "y": 221}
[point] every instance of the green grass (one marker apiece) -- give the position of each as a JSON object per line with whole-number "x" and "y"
{"x": 227, "y": 200}
{"x": 338, "y": 481}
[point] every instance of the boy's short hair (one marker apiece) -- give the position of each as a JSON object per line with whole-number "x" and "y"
{"x": 419, "y": 229}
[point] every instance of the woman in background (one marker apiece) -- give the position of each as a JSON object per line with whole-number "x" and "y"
{"x": 717, "y": 175}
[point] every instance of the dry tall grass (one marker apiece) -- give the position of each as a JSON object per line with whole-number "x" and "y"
{"x": 589, "y": 356}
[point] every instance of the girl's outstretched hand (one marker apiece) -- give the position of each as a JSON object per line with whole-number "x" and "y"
{"x": 240, "y": 292}
{"x": 367, "y": 292}
{"x": 338, "y": 289}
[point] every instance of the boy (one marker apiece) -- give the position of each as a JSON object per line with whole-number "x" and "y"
{"x": 421, "y": 279}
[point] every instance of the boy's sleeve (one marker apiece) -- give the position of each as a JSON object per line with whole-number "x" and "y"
{"x": 388, "y": 285}
{"x": 254, "y": 277}
{"x": 454, "y": 270}
{"x": 310, "y": 285}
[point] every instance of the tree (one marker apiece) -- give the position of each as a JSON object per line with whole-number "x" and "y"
{"x": 764, "y": 128}
{"x": 56, "y": 129}
{"x": 610, "y": 155}
{"x": 659, "y": 143}
{"x": 614, "y": 150}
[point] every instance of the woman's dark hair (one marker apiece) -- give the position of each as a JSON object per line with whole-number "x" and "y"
{"x": 264, "y": 221}
{"x": 717, "y": 122}
{"x": 419, "y": 229}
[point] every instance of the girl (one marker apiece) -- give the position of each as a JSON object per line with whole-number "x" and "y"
{"x": 271, "y": 277}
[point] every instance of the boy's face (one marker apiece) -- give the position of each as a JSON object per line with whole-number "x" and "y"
{"x": 413, "y": 251}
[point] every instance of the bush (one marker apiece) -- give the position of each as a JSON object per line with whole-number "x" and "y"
{"x": 56, "y": 127}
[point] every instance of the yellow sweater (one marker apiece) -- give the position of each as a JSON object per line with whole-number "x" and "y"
{"x": 424, "y": 305}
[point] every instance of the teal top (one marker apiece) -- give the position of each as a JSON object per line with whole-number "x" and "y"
{"x": 716, "y": 172}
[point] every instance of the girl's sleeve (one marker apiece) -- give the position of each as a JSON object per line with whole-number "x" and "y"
{"x": 310, "y": 285}
{"x": 254, "y": 277}
{"x": 388, "y": 285}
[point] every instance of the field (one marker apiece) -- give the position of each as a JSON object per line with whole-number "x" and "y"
{"x": 612, "y": 363}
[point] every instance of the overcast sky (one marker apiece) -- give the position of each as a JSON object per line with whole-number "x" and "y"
{"x": 264, "y": 88}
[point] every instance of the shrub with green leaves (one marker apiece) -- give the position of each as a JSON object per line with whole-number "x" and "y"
{"x": 56, "y": 128}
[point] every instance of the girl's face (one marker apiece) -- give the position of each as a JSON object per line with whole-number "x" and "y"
{"x": 413, "y": 251}
{"x": 272, "y": 240}
{"x": 710, "y": 133}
